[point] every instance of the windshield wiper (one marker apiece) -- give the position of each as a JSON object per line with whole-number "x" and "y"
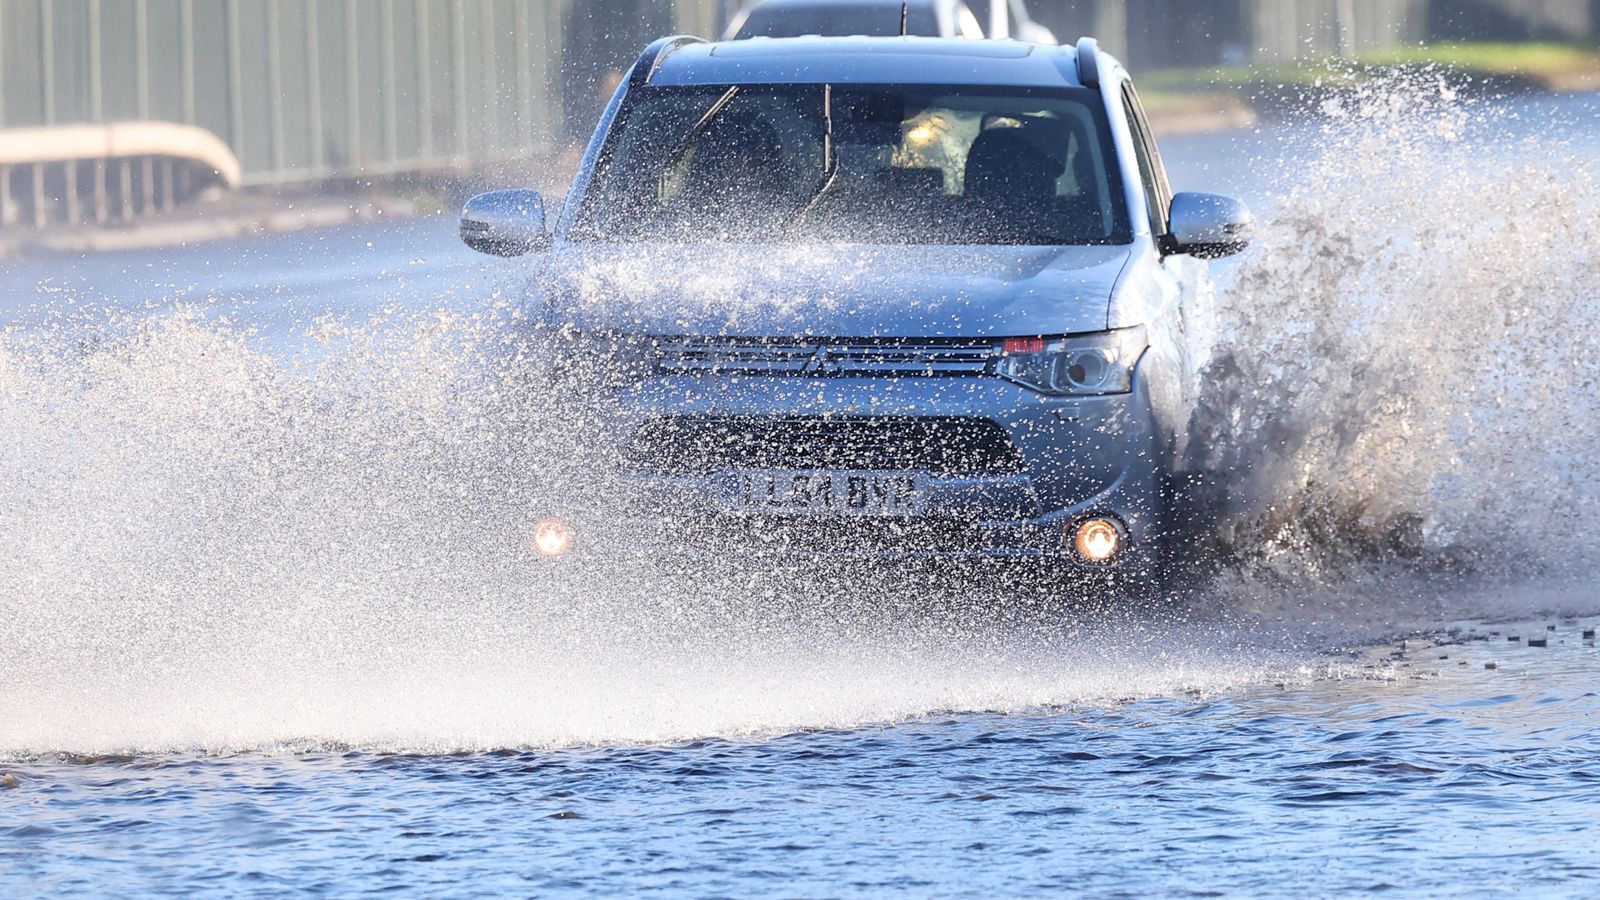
{"x": 830, "y": 163}
{"x": 701, "y": 127}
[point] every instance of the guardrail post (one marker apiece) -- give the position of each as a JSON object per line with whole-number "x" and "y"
{"x": 147, "y": 183}
{"x": 69, "y": 185}
{"x": 166, "y": 183}
{"x": 102, "y": 209}
{"x": 125, "y": 188}
{"x": 40, "y": 216}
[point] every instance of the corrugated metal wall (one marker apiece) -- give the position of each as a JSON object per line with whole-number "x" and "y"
{"x": 1514, "y": 20}
{"x": 302, "y": 89}
{"x": 1151, "y": 34}
{"x": 1292, "y": 29}
{"x": 312, "y": 89}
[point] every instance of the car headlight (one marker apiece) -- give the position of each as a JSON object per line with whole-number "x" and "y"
{"x": 1082, "y": 365}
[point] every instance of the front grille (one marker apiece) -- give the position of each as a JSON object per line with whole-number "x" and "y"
{"x": 886, "y": 357}
{"x": 943, "y": 446}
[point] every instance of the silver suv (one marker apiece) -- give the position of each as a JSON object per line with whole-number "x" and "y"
{"x": 876, "y": 296}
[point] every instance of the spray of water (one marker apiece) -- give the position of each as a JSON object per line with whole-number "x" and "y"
{"x": 206, "y": 545}
{"x": 1404, "y": 368}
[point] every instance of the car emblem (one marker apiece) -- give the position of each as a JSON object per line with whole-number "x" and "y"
{"x": 820, "y": 364}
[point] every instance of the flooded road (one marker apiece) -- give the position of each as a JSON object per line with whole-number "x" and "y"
{"x": 1414, "y": 773}
{"x": 268, "y": 626}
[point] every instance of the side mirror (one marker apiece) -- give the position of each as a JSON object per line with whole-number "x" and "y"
{"x": 505, "y": 223}
{"x": 1208, "y": 225}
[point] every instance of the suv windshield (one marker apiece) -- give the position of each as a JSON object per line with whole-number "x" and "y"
{"x": 866, "y": 164}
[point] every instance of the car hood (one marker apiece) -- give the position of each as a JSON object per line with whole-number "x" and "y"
{"x": 833, "y": 291}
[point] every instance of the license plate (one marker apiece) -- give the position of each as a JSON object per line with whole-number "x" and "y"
{"x": 830, "y": 493}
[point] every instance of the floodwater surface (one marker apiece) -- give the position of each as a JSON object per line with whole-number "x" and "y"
{"x": 269, "y": 624}
{"x": 1415, "y": 772}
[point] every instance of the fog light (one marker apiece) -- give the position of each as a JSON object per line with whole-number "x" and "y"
{"x": 1097, "y": 540}
{"x": 552, "y": 538}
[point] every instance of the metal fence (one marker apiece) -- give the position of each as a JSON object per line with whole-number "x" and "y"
{"x": 304, "y": 90}
{"x": 299, "y": 89}
{"x": 1150, "y": 34}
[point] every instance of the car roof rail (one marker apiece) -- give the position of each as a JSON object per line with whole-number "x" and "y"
{"x": 656, "y": 54}
{"x": 1089, "y": 61}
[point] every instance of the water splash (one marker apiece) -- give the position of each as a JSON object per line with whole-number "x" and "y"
{"x": 206, "y": 545}
{"x": 1404, "y": 367}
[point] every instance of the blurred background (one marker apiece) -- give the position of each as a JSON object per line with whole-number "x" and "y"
{"x": 117, "y": 111}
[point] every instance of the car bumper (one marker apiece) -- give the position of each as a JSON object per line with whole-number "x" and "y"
{"x": 1076, "y": 458}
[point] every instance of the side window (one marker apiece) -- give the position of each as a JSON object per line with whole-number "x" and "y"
{"x": 1152, "y": 174}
